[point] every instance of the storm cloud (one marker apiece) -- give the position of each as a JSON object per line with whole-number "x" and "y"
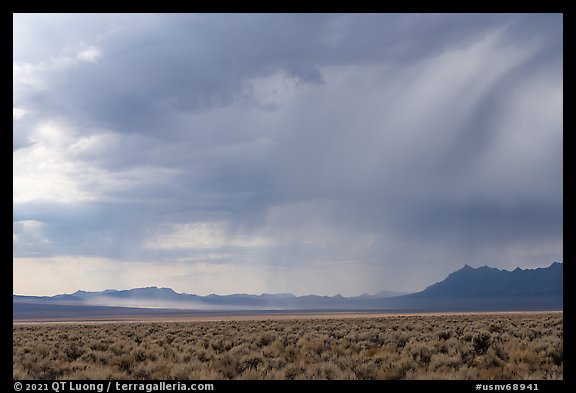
{"x": 338, "y": 153}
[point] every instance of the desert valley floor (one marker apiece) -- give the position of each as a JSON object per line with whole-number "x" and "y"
{"x": 314, "y": 346}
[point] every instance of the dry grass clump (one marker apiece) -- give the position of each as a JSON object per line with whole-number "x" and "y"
{"x": 503, "y": 346}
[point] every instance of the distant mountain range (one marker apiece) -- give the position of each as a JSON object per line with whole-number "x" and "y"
{"x": 468, "y": 289}
{"x": 491, "y": 289}
{"x": 487, "y": 281}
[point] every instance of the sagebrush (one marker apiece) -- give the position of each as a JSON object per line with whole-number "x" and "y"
{"x": 499, "y": 346}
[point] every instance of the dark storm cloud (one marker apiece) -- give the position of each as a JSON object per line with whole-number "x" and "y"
{"x": 338, "y": 136}
{"x": 196, "y": 62}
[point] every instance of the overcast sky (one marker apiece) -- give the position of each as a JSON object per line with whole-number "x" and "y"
{"x": 283, "y": 153}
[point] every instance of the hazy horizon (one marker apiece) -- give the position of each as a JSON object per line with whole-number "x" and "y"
{"x": 262, "y": 293}
{"x": 283, "y": 153}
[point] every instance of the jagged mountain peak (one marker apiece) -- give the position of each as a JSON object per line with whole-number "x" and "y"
{"x": 491, "y": 281}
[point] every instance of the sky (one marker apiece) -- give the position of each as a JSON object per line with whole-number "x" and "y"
{"x": 270, "y": 153}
